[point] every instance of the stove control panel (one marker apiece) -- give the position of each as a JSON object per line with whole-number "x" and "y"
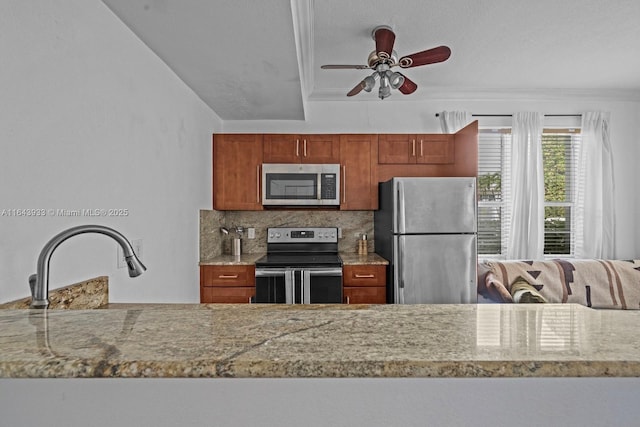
{"x": 302, "y": 235}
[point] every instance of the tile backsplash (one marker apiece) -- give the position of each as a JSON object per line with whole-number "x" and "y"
{"x": 214, "y": 243}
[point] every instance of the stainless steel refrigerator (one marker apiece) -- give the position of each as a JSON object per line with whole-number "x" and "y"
{"x": 427, "y": 229}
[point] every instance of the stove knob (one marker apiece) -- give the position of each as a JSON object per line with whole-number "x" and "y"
{"x": 277, "y": 235}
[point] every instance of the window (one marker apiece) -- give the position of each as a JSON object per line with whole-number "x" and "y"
{"x": 559, "y": 158}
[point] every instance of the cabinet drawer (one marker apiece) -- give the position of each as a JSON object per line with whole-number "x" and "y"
{"x": 365, "y": 295}
{"x": 228, "y": 275}
{"x": 232, "y": 295}
{"x": 364, "y": 275}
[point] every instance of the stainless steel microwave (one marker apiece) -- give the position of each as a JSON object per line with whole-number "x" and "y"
{"x": 295, "y": 184}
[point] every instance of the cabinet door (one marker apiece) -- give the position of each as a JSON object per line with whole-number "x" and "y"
{"x": 237, "y": 159}
{"x": 358, "y": 178}
{"x": 364, "y": 275}
{"x": 282, "y": 148}
{"x": 227, "y": 283}
{"x": 320, "y": 149}
{"x": 396, "y": 149}
{"x": 231, "y": 295}
{"x": 293, "y": 148}
{"x": 364, "y": 295}
{"x": 227, "y": 275}
{"x": 364, "y": 284}
{"x": 435, "y": 149}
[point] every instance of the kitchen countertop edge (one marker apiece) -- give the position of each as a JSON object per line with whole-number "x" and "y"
{"x": 251, "y": 258}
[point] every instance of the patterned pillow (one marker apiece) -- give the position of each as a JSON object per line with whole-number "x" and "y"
{"x": 593, "y": 283}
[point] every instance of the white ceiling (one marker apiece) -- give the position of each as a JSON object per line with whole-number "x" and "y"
{"x": 260, "y": 60}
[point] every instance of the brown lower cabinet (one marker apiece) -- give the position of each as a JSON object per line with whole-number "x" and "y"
{"x": 227, "y": 283}
{"x": 364, "y": 284}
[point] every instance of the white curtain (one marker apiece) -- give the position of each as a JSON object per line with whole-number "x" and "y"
{"x": 453, "y": 121}
{"x": 526, "y": 234}
{"x": 594, "y": 218}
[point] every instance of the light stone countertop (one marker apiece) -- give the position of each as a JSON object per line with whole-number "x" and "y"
{"x": 244, "y": 259}
{"x": 92, "y": 293}
{"x": 286, "y": 341}
{"x": 250, "y": 259}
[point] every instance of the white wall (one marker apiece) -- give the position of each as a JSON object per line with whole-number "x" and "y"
{"x": 91, "y": 118}
{"x": 419, "y": 116}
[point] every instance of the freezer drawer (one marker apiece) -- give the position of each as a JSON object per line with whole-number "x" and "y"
{"x": 435, "y": 269}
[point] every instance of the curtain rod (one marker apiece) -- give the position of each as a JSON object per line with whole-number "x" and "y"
{"x": 511, "y": 115}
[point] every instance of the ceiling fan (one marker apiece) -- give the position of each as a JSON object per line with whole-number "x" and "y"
{"x": 384, "y": 58}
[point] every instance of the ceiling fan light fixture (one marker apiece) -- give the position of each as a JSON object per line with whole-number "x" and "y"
{"x": 385, "y": 88}
{"x": 369, "y": 83}
{"x": 395, "y": 79}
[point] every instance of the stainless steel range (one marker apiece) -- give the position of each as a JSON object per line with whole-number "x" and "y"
{"x": 302, "y": 266}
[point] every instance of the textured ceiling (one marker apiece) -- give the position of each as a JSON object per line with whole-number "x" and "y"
{"x": 260, "y": 60}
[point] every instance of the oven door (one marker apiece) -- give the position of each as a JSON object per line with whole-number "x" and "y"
{"x": 322, "y": 285}
{"x": 274, "y": 286}
{"x": 299, "y": 285}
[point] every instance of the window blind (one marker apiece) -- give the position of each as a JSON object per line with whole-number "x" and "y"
{"x": 560, "y": 157}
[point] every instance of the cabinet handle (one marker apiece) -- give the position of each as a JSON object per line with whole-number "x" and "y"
{"x": 413, "y": 147}
{"x": 258, "y": 184}
{"x": 365, "y": 276}
{"x": 297, "y": 148}
{"x": 421, "y": 149}
{"x": 344, "y": 184}
{"x": 228, "y": 276}
{"x": 347, "y": 299}
{"x": 305, "y": 147}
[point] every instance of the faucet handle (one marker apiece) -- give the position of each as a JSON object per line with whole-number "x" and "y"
{"x": 32, "y": 283}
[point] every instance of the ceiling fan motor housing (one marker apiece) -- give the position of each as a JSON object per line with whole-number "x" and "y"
{"x": 384, "y": 37}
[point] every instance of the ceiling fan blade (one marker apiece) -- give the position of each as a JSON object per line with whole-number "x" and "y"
{"x": 429, "y": 56}
{"x": 384, "y": 37}
{"x": 408, "y": 86}
{"x": 345, "y": 67}
{"x": 356, "y": 90}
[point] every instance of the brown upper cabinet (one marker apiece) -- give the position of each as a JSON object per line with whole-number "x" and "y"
{"x": 359, "y": 183}
{"x": 416, "y": 149}
{"x": 365, "y": 160}
{"x": 293, "y": 148}
{"x": 237, "y": 162}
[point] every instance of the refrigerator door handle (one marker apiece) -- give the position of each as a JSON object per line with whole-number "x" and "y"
{"x": 401, "y": 251}
{"x": 400, "y": 208}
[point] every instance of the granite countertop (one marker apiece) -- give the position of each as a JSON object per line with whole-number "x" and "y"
{"x": 280, "y": 341}
{"x": 92, "y": 293}
{"x": 250, "y": 259}
{"x": 244, "y": 259}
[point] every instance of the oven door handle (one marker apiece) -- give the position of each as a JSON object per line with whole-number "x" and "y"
{"x": 325, "y": 271}
{"x": 306, "y": 287}
{"x": 270, "y": 272}
{"x": 289, "y": 286}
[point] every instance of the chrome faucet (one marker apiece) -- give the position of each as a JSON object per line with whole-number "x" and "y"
{"x": 39, "y": 282}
